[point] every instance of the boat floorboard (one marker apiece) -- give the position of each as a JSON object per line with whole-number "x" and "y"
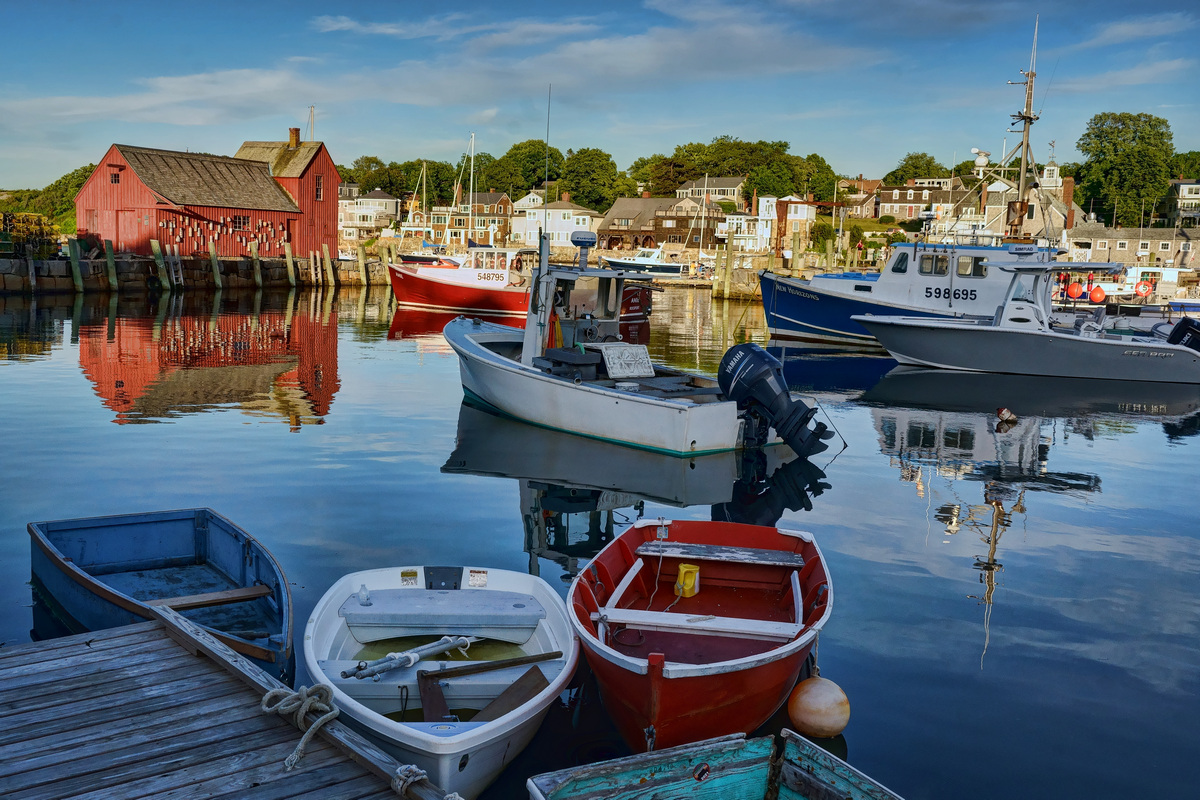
{"x": 162, "y": 710}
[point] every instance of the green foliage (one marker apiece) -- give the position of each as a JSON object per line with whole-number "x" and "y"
{"x": 856, "y": 235}
{"x": 915, "y": 165}
{"x": 776, "y": 179}
{"x": 590, "y": 175}
{"x": 1186, "y": 165}
{"x": 1128, "y": 164}
{"x": 530, "y": 160}
{"x": 56, "y": 201}
{"x": 887, "y": 219}
{"x": 966, "y": 171}
{"x": 896, "y": 236}
{"x": 820, "y": 233}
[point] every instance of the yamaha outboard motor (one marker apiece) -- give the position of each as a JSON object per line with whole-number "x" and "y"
{"x": 756, "y": 501}
{"x": 753, "y": 378}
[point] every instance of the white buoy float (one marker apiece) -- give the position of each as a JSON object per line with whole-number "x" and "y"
{"x": 819, "y": 708}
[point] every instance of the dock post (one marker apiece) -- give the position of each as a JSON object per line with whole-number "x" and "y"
{"x": 362, "y": 264}
{"x": 111, "y": 261}
{"x": 829, "y": 255}
{"x": 254, "y": 263}
{"x": 330, "y": 274}
{"x": 216, "y": 265}
{"x": 160, "y": 263}
{"x": 32, "y": 272}
{"x": 728, "y": 269}
{"x": 76, "y": 272}
{"x": 291, "y": 267}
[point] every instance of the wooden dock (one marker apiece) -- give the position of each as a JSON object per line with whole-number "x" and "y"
{"x": 163, "y": 710}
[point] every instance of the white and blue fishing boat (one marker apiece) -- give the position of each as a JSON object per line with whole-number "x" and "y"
{"x": 921, "y": 279}
{"x": 94, "y": 573}
{"x": 651, "y": 261}
{"x": 728, "y": 766}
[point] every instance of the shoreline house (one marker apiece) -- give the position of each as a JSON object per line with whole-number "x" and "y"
{"x": 266, "y": 195}
{"x": 1148, "y": 247}
{"x": 364, "y": 216}
{"x": 635, "y": 222}
{"x": 728, "y": 189}
{"x": 559, "y": 219}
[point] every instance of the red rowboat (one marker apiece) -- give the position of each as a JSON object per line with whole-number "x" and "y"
{"x": 676, "y": 666}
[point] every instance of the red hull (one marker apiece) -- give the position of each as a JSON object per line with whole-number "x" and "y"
{"x": 698, "y": 685}
{"x": 412, "y": 289}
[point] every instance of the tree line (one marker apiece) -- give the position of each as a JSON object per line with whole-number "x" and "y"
{"x": 1129, "y": 161}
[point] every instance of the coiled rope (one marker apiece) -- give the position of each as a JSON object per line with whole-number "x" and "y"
{"x": 297, "y": 704}
{"x": 406, "y": 775}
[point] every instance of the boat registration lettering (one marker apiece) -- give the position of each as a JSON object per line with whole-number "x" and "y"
{"x": 491, "y": 277}
{"x": 799, "y": 292}
{"x": 477, "y": 578}
{"x": 408, "y": 577}
{"x": 947, "y": 294}
{"x": 1147, "y": 354}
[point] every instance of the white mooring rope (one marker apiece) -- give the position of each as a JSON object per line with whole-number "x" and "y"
{"x": 297, "y": 704}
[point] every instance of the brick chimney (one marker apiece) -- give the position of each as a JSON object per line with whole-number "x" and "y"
{"x": 911, "y": 182}
{"x": 1068, "y": 190}
{"x": 646, "y": 195}
{"x": 293, "y": 138}
{"x": 566, "y": 197}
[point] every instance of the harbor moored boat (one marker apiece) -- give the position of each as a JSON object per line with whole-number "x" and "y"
{"x": 698, "y": 629}
{"x": 728, "y": 766}
{"x": 652, "y": 261}
{"x": 448, "y": 668}
{"x": 95, "y": 573}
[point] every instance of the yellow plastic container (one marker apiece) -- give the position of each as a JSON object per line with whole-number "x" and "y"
{"x": 688, "y": 582}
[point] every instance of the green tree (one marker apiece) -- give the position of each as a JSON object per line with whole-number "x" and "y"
{"x": 915, "y": 165}
{"x": 55, "y": 202}
{"x": 1127, "y": 166}
{"x": 820, "y": 233}
{"x": 590, "y": 175}
{"x": 532, "y": 160}
{"x": 966, "y": 171}
{"x": 775, "y": 179}
{"x": 1186, "y": 165}
{"x": 819, "y": 177}
{"x": 856, "y": 235}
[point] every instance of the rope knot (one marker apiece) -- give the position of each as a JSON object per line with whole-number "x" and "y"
{"x": 297, "y": 704}
{"x": 406, "y": 775}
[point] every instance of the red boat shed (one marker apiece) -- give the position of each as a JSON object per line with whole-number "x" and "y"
{"x": 269, "y": 192}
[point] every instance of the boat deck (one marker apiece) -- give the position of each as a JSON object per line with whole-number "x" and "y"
{"x": 250, "y": 620}
{"x": 160, "y": 709}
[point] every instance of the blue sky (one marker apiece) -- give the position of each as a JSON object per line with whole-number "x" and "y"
{"x": 861, "y": 83}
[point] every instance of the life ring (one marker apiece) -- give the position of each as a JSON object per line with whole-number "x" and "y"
{"x": 1143, "y": 288}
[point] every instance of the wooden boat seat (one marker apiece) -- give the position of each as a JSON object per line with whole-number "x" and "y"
{"x": 709, "y": 552}
{"x": 434, "y": 707}
{"x": 507, "y": 616}
{"x": 704, "y": 624}
{"x": 207, "y": 599}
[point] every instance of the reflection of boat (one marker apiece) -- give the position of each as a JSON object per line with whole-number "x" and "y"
{"x": 385, "y": 641}
{"x": 1024, "y": 395}
{"x": 830, "y": 370}
{"x": 409, "y": 323}
{"x": 716, "y": 654}
{"x": 594, "y": 385}
{"x": 103, "y": 572}
{"x": 729, "y": 766}
{"x": 1021, "y": 339}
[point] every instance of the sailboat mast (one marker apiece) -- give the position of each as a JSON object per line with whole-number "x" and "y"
{"x": 1026, "y": 118}
{"x": 471, "y": 195}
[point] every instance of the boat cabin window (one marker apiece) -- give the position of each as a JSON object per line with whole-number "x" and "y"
{"x": 901, "y": 263}
{"x": 935, "y": 265}
{"x": 972, "y": 267}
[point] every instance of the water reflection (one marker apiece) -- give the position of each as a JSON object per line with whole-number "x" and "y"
{"x": 31, "y": 330}
{"x": 153, "y": 358}
{"x": 574, "y": 491}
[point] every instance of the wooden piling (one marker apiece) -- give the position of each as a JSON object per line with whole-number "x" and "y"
{"x": 291, "y": 267}
{"x": 32, "y": 272}
{"x": 160, "y": 263}
{"x": 76, "y": 270}
{"x": 255, "y": 265}
{"x": 362, "y": 264}
{"x": 330, "y": 274}
{"x": 728, "y": 269}
{"x": 216, "y": 264}
{"x": 111, "y": 262}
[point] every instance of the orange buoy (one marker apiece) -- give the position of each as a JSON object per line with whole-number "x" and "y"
{"x": 1142, "y": 288}
{"x": 1096, "y": 295}
{"x": 818, "y": 708}
{"x": 1074, "y": 290}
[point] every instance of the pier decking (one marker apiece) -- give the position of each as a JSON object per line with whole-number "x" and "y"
{"x": 162, "y": 710}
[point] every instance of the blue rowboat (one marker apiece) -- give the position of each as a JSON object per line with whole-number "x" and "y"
{"x": 102, "y": 572}
{"x": 728, "y": 766}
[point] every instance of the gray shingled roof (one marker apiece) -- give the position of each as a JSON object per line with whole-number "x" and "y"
{"x": 285, "y": 162}
{"x": 568, "y": 206}
{"x": 193, "y": 179}
{"x": 715, "y": 183}
{"x": 639, "y": 209}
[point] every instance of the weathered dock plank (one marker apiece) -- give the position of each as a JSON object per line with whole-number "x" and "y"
{"x": 163, "y": 710}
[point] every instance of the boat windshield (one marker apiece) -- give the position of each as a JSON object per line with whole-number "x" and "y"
{"x": 1024, "y": 288}
{"x": 645, "y": 254}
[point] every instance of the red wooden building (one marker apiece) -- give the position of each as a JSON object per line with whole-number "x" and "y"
{"x": 270, "y": 192}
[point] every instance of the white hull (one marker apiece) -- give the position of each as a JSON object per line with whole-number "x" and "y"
{"x": 678, "y": 427}
{"x": 463, "y": 757}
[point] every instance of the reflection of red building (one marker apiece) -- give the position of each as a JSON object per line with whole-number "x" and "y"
{"x": 264, "y": 364}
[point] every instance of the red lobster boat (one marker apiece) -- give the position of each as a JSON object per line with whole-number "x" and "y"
{"x": 698, "y": 629}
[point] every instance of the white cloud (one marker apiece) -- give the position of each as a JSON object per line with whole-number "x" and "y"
{"x": 1137, "y": 28}
{"x": 1155, "y": 72}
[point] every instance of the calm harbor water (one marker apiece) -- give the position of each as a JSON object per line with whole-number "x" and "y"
{"x": 1016, "y": 606}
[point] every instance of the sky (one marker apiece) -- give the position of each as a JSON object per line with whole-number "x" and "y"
{"x": 860, "y": 83}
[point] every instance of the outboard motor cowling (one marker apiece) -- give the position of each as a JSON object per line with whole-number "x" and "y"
{"x": 753, "y": 378}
